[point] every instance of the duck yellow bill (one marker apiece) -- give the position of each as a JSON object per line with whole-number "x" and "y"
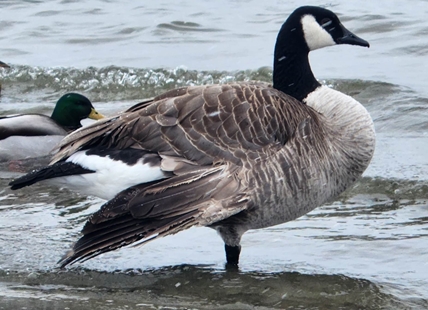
{"x": 95, "y": 115}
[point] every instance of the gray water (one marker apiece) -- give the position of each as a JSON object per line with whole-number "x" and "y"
{"x": 367, "y": 249}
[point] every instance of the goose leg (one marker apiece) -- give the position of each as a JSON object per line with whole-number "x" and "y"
{"x": 231, "y": 235}
{"x": 232, "y": 254}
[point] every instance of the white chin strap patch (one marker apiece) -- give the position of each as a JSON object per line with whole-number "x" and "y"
{"x": 315, "y": 36}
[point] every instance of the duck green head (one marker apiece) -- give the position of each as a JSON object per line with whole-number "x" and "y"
{"x": 71, "y": 109}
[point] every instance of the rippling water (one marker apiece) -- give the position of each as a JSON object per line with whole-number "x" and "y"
{"x": 364, "y": 250}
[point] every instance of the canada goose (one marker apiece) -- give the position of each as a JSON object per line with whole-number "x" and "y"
{"x": 231, "y": 157}
{"x": 34, "y": 135}
{"x": 3, "y": 65}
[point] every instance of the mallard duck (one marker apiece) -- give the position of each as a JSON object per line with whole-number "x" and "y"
{"x": 35, "y": 135}
{"x": 230, "y": 157}
{"x": 3, "y": 65}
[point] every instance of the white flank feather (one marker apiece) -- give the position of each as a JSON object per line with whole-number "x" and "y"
{"x": 110, "y": 177}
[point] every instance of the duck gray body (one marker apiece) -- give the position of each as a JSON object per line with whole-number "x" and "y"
{"x": 24, "y": 136}
{"x": 231, "y": 157}
{"x": 28, "y": 136}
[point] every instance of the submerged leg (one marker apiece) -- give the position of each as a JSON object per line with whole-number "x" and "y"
{"x": 231, "y": 235}
{"x": 232, "y": 254}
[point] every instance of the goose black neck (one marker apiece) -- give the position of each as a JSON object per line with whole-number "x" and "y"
{"x": 292, "y": 72}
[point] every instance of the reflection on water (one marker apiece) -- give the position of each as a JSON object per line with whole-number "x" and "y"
{"x": 197, "y": 287}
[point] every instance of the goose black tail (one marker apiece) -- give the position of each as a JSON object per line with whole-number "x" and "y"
{"x": 59, "y": 169}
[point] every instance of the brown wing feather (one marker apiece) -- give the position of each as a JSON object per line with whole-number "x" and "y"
{"x": 144, "y": 212}
{"x": 204, "y": 124}
{"x": 131, "y": 230}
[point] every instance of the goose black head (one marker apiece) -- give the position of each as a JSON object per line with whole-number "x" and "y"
{"x": 321, "y": 28}
{"x": 308, "y": 28}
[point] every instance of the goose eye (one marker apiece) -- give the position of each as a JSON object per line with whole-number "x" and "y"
{"x": 325, "y": 22}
